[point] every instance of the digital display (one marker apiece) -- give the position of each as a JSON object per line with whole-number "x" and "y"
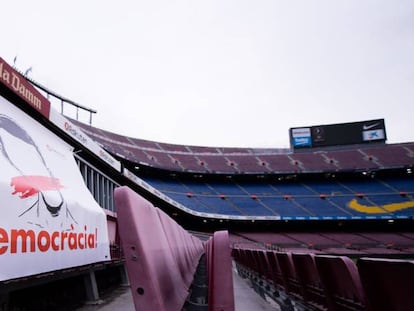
{"x": 338, "y": 134}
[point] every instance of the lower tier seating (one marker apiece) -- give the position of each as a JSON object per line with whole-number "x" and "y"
{"x": 299, "y": 281}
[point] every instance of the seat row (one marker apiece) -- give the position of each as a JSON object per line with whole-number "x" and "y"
{"x": 322, "y": 282}
{"x": 237, "y": 160}
{"x": 162, "y": 258}
{"x": 219, "y": 269}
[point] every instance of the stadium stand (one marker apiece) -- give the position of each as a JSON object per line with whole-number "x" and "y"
{"x": 279, "y": 163}
{"x": 238, "y": 160}
{"x": 348, "y": 160}
{"x": 249, "y": 164}
{"x": 298, "y": 221}
{"x": 307, "y": 281}
{"x": 336, "y": 199}
{"x": 189, "y": 161}
{"x": 389, "y": 155}
{"x": 313, "y": 161}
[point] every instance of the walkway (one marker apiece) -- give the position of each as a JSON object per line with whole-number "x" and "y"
{"x": 246, "y": 299}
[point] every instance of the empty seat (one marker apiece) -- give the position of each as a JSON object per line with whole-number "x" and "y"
{"x": 293, "y": 286}
{"x": 388, "y": 283}
{"x": 180, "y": 247}
{"x": 308, "y": 276}
{"x": 340, "y": 278}
{"x": 152, "y": 266}
{"x": 277, "y": 278}
{"x": 219, "y": 266}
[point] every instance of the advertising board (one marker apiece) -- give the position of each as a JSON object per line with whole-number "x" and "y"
{"x": 76, "y": 133}
{"x": 20, "y": 86}
{"x": 361, "y": 132}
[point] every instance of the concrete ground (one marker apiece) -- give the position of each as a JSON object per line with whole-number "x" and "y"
{"x": 246, "y": 299}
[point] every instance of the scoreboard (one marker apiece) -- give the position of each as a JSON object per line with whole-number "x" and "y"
{"x": 338, "y": 134}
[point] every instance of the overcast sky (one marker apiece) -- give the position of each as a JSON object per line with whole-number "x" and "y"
{"x": 232, "y": 73}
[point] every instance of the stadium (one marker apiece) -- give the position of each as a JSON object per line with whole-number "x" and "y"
{"x": 326, "y": 224}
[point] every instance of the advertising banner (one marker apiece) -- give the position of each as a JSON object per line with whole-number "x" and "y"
{"x": 49, "y": 219}
{"x": 301, "y": 137}
{"x": 76, "y": 133}
{"x": 373, "y": 135}
{"x": 361, "y": 132}
{"x": 18, "y": 84}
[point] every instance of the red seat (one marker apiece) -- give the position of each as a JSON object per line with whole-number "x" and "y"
{"x": 388, "y": 283}
{"x": 308, "y": 276}
{"x": 340, "y": 278}
{"x": 156, "y": 282}
{"x": 292, "y": 285}
{"x": 181, "y": 247}
{"x": 219, "y": 266}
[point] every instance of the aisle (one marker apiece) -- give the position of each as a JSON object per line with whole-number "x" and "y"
{"x": 119, "y": 300}
{"x": 246, "y": 299}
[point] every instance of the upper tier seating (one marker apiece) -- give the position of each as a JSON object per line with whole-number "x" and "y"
{"x": 314, "y": 161}
{"x": 390, "y": 155}
{"x": 247, "y": 160}
{"x": 351, "y": 159}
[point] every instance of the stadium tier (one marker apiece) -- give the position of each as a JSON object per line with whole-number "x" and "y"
{"x": 258, "y": 161}
{"x": 332, "y": 242}
{"x": 299, "y": 281}
{"x": 284, "y": 196}
{"x": 337, "y": 199}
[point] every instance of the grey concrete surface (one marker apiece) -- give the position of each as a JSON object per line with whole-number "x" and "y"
{"x": 246, "y": 299}
{"x": 119, "y": 300}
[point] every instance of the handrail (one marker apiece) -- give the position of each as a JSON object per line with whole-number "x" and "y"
{"x": 62, "y": 98}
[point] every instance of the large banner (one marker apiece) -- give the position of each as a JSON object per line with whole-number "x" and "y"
{"x": 49, "y": 219}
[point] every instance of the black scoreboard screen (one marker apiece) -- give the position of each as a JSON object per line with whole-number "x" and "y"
{"x": 338, "y": 134}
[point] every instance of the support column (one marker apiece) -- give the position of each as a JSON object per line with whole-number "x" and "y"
{"x": 91, "y": 287}
{"x": 4, "y": 301}
{"x": 124, "y": 275}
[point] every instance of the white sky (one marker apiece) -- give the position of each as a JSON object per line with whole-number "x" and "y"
{"x": 234, "y": 73}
